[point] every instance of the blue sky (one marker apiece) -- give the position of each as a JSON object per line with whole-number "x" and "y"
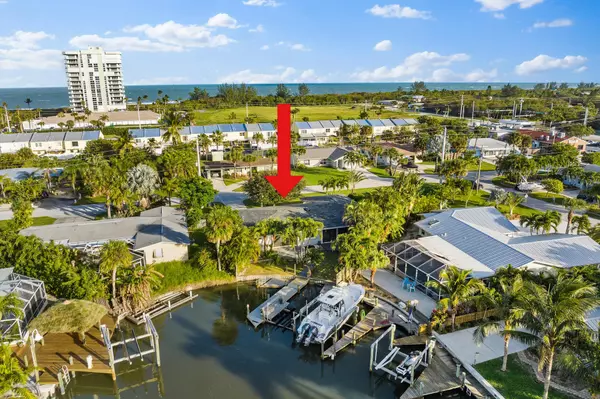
{"x": 272, "y": 41}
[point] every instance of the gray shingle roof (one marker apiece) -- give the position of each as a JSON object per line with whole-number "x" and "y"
{"x": 317, "y": 153}
{"x": 337, "y": 154}
{"x": 23, "y": 137}
{"x": 326, "y": 209}
{"x": 151, "y": 227}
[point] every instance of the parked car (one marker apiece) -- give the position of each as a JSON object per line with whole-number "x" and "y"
{"x": 586, "y": 197}
{"x": 528, "y": 187}
{"x": 410, "y": 165}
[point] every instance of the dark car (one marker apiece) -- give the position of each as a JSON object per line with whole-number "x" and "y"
{"x": 586, "y": 197}
{"x": 410, "y": 165}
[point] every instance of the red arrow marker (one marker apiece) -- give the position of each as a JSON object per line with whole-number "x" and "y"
{"x": 284, "y": 182}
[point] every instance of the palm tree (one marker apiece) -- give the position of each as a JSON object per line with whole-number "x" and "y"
{"x": 376, "y": 151}
{"x": 572, "y": 205}
{"x": 143, "y": 181}
{"x": 221, "y": 223}
{"x": 297, "y": 231}
{"x": 205, "y": 142}
{"x": 11, "y": 303}
{"x": 236, "y": 155}
{"x": 5, "y": 106}
{"x": 458, "y": 288}
{"x": 72, "y": 171}
{"x": 114, "y": 255}
{"x": 258, "y": 138}
{"x": 13, "y": 377}
{"x": 504, "y": 300}
{"x": 583, "y": 361}
{"x": 529, "y": 221}
{"x": 136, "y": 290}
{"x": 217, "y": 138}
{"x": 354, "y": 159}
{"x": 547, "y": 221}
{"x": 513, "y": 200}
{"x": 552, "y": 316}
{"x": 174, "y": 122}
{"x": 581, "y": 224}
{"x": 354, "y": 178}
{"x": 272, "y": 155}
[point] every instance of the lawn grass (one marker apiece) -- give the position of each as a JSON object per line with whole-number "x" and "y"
{"x": 262, "y": 269}
{"x": 91, "y": 200}
{"x": 552, "y": 198}
{"x": 230, "y": 181}
{"x": 501, "y": 181}
{"x": 517, "y": 382}
{"x": 485, "y": 167}
{"x": 37, "y": 221}
{"x": 178, "y": 275}
{"x": 312, "y": 176}
{"x": 269, "y": 114}
{"x": 358, "y": 193}
{"x": 380, "y": 172}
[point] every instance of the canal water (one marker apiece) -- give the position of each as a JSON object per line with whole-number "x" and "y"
{"x": 210, "y": 351}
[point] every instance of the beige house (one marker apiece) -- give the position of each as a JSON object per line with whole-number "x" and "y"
{"x": 77, "y": 141}
{"x": 42, "y": 143}
{"x": 159, "y": 234}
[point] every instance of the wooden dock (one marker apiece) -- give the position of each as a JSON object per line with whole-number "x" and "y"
{"x": 272, "y": 283}
{"x": 411, "y": 340}
{"x": 162, "y": 304}
{"x": 58, "y": 348}
{"x": 439, "y": 377}
{"x": 276, "y": 303}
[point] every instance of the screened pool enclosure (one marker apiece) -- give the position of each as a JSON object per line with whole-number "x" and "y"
{"x": 32, "y": 295}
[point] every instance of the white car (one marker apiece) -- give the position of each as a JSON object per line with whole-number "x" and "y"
{"x": 528, "y": 187}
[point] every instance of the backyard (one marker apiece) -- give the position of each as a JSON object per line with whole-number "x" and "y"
{"x": 269, "y": 114}
{"x": 473, "y": 167}
{"x": 312, "y": 176}
{"x": 517, "y": 382}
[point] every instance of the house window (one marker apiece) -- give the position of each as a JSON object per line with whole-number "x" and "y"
{"x": 75, "y": 144}
{"x": 580, "y": 147}
{"x": 241, "y": 134}
{"x": 327, "y": 130}
{"x": 158, "y": 253}
{"x": 302, "y": 131}
{"x": 307, "y": 162}
{"x": 38, "y": 144}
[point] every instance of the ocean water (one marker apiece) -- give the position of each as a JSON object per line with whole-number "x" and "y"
{"x": 57, "y": 97}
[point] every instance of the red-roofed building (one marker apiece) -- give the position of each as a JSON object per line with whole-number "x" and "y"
{"x": 543, "y": 140}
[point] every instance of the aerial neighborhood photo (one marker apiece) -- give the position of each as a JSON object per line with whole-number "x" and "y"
{"x": 299, "y": 199}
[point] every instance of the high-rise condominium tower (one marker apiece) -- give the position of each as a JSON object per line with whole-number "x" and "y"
{"x": 95, "y": 80}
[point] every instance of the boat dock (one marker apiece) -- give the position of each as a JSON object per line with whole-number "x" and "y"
{"x": 162, "y": 304}
{"x": 441, "y": 376}
{"x": 270, "y": 308}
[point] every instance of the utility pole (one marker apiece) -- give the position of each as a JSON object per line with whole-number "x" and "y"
{"x": 443, "y": 150}
{"x": 198, "y": 154}
{"x": 521, "y": 107}
{"x": 479, "y": 169}
{"x": 7, "y": 120}
{"x": 473, "y": 113}
{"x": 138, "y": 112}
{"x": 514, "y": 109}
{"x": 462, "y": 99}
{"x": 585, "y": 118}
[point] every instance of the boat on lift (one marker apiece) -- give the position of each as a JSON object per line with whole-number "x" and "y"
{"x": 332, "y": 309}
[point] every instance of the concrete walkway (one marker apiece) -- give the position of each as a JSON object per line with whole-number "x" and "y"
{"x": 462, "y": 343}
{"x": 391, "y": 283}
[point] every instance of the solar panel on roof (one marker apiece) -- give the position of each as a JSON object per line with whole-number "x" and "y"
{"x": 93, "y": 135}
{"x": 238, "y": 127}
{"x": 225, "y": 128}
{"x": 210, "y": 129}
{"x": 327, "y": 124}
{"x": 375, "y": 122}
{"x": 399, "y": 122}
{"x": 315, "y": 125}
{"x": 266, "y": 126}
{"x": 411, "y": 121}
{"x": 252, "y": 127}
{"x": 349, "y": 122}
{"x": 362, "y": 122}
{"x": 387, "y": 122}
{"x": 336, "y": 122}
{"x": 302, "y": 125}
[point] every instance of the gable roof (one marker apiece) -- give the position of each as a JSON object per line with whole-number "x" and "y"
{"x": 162, "y": 224}
{"x": 317, "y": 153}
{"x": 489, "y": 237}
{"x": 338, "y": 153}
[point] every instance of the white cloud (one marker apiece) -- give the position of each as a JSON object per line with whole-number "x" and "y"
{"x": 21, "y": 39}
{"x": 107, "y": 33}
{"x": 477, "y": 75}
{"x": 281, "y": 75}
{"x": 299, "y": 47}
{"x": 557, "y": 23}
{"x": 265, "y": 47}
{"x": 413, "y": 65}
{"x": 397, "y": 11}
{"x": 499, "y": 5}
{"x": 544, "y": 62}
{"x": 124, "y": 43}
{"x": 17, "y": 59}
{"x": 265, "y": 3}
{"x": 174, "y": 34}
{"x": 499, "y": 15}
{"x": 159, "y": 81}
{"x": 384, "y": 45}
{"x": 258, "y": 29}
{"x": 223, "y": 20}
{"x": 581, "y": 69}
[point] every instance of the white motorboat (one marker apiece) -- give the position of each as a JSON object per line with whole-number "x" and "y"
{"x": 332, "y": 309}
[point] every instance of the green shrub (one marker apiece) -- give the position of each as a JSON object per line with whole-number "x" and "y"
{"x": 181, "y": 275}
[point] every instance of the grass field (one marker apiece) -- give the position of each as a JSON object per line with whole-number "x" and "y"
{"x": 313, "y": 175}
{"x": 552, "y": 198}
{"x": 230, "y": 181}
{"x": 485, "y": 167}
{"x": 380, "y": 172}
{"x": 517, "y": 382}
{"x": 501, "y": 181}
{"x": 37, "y": 221}
{"x": 269, "y": 114}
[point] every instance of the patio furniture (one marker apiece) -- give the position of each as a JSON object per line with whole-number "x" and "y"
{"x": 405, "y": 282}
{"x": 412, "y": 286}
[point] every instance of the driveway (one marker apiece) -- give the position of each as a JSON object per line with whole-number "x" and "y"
{"x": 61, "y": 208}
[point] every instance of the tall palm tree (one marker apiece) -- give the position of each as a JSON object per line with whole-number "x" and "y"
{"x": 354, "y": 178}
{"x": 272, "y": 155}
{"x": 114, "y": 255}
{"x": 258, "y": 138}
{"x": 458, "y": 288}
{"x": 529, "y": 221}
{"x": 581, "y": 224}
{"x": 11, "y": 303}
{"x": 297, "y": 231}
{"x": 552, "y": 316}
{"x": 504, "y": 301}
{"x": 5, "y": 106}
{"x": 355, "y": 159}
{"x": 236, "y": 155}
{"x": 376, "y": 151}
{"x": 221, "y": 223}
{"x": 572, "y": 205}
{"x": 205, "y": 142}
{"x": 136, "y": 290}
{"x": 13, "y": 377}
{"x": 217, "y": 138}
{"x": 173, "y": 121}
{"x": 583, "y": 361}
